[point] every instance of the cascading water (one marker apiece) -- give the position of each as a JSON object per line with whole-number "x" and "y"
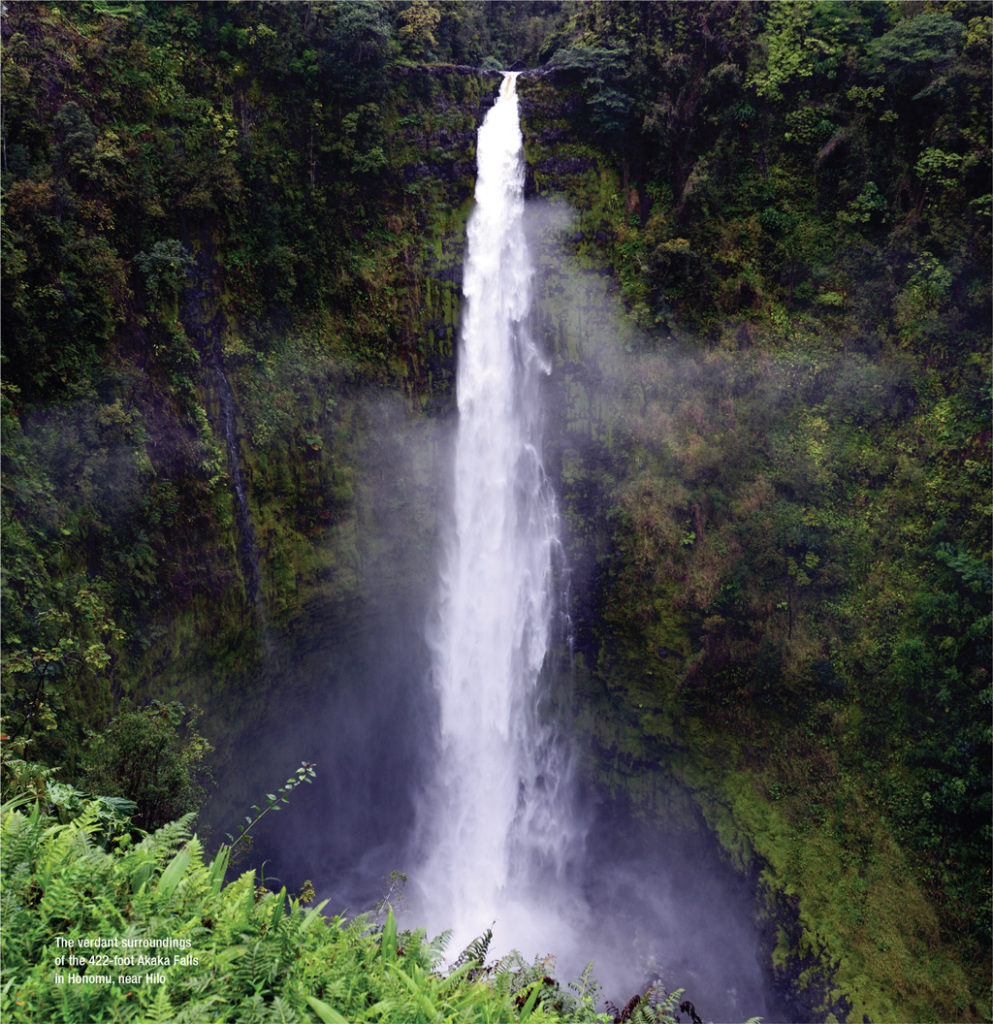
{"x": 495, "y": 837}
{"x": 498, "y": 815}
{"x": 498, "y": 840}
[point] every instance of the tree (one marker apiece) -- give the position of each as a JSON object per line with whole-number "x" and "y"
{"x": 152, "y": 756}
{"x": 603, "y": 71}
{"x": 908, "y": 56}
{"x": 420, "y": 22}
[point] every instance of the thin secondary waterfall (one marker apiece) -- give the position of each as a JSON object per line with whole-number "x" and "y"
{"x": 498, "y": 816}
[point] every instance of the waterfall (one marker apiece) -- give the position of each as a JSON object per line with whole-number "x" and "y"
{"x": 498, "y": 817}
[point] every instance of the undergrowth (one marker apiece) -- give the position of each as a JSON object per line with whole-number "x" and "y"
{"x": 116, "y": 926}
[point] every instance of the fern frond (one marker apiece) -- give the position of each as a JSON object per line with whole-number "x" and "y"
{"x": 202, "y": 1011}
{"x": 528, "y": 1007}
{"x": 16, "y": 802}
{"x": 164, "y": 841}
{"x": 657, "y": 1007}
{"x": 457, "y": 976}
{"x": 439, "y": 944}
{"x": 21, "y": 840}
{"x": 281, "y": 1012}
{"x": 417, "y": 991}
{"x": 510, "y": 962}
{"x": 251, "y": 1010}
{"x": 161, "y": 1011}
{"x": 475, "y": 952}
{"x": 586, "y": 988}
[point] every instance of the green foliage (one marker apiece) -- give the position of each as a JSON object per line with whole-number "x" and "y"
{"x": 305, "y": 773}
{"x": 804, "y": 42}
{"x": 772, "y": 482}
{"x": 226, "y": 952}
{"x": 602, "y": 72}
{"x": 494, "y": 35}
{"x": 53, "y": 671}
{"x": 26, "y": 781}
{"x": 165, "y": 267}
{"x": 914, "y": 49}
{"x": 942, "y": 667}
{"x": 153, "y": 757}
{"x": 419, "y": 22}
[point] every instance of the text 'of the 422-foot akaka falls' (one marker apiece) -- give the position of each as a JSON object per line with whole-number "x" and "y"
{"x": 497, "y": 815}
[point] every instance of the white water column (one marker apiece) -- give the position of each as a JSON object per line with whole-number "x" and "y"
{"x": 498, "y": 818}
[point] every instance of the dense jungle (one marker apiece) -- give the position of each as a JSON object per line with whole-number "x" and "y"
{"x": 233, "y": 236}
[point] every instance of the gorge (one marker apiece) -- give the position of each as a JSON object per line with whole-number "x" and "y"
{"x": 511, "y": 842}
{"x": 753, "y": 457}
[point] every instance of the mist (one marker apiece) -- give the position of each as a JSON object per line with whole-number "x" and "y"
{"x": 648, "y": 902}
{"x": 345, "y": 684}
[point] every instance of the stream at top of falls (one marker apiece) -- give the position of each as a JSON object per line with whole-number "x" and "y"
{"x": 444, "y": 748}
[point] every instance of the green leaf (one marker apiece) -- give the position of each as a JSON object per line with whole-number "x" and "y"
{"x": 174, "y": 872}
{"x": 310, "y": 918}
{"x": 532, "y": 999}
{"x": 417, "y": 992}
{"x": 328, "y": 1014}
{"x": 218, "y": 869}
{"x": 389, "y": 944}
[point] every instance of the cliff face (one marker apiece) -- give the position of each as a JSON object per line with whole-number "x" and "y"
{"x": 722, "y": 611}
{"x": 225, "y": 330}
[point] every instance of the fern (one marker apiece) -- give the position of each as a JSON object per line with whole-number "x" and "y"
{"x": 201, "y": 1011}
{"x": 586, "y": 992}
{"x": 657, "y": 1007}
{"x": 282, "y": 1013}
{"x": 475, "y": 952}
{"x": 254, "y": 958}
{"x": 164, "y": 841}
{"x": 22, "y": 836}
{"x": 161, "y": 1011}
{"x": 439, "y": 944}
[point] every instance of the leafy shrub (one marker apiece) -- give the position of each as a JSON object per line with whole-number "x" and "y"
{"x": 150, "y": 756}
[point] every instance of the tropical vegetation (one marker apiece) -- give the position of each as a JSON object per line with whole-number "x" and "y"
{"x": 767, "y": 299}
